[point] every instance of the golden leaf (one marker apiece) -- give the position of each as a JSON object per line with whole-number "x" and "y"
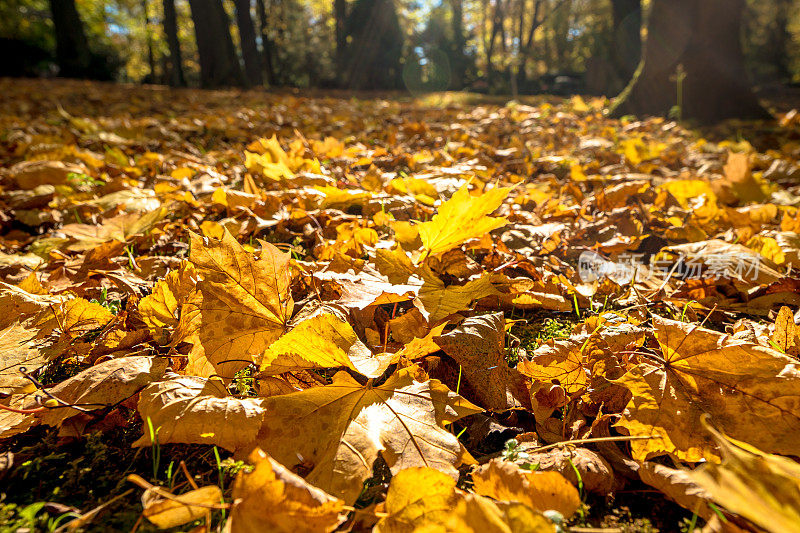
{"x": 246, "y": 302}
{"x": 761, "y": 487}
{"x": 322, "y": 341}
{"x": 168, "y": 513}
{"x": 750, "y": 391}
{"x": 194, "y": 410}
{"x": 270, "y": 497}
{"x": 542, "y": 491}
{"x": 120, "y": 228}
{"x": 424, "y": 499}
{"x": 17, "y": 350}
{"x": 161, "y": 309}
{"x": 338, "y": 430}
{"x": 786, "y": 335}
{"x": 461, "y": 218}
{"x": 441, "y": 301}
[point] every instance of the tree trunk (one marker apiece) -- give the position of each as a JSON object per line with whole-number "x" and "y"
{"x": 627, "y": 19}
{"x": 779, "y": 40}
{"x": 700, "y": 39}
{"x": 72, "y": 49}
{"x": 175, "y": 74}
{"x": 219, "y": 65}
{"x": 266, "y": 42}
{"x": 151, "y": 58}
{"x": 247, "y": 37}
{"x": 459, "y": 44}
{"x": 340, "y": 20}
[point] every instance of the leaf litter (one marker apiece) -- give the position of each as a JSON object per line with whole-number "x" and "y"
{"x": 316, "y": 304}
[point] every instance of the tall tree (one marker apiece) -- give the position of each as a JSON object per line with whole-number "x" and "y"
{"x": 375, "y": 52}
{"x": 72, "y": 48}
{"x": 459, "y": 44}
{"x": 151, "y": 58}
{"x": 247, "y": 37}
{"x": 627, "y": 50}
{"x": 266, "y": 42}
{"x": 340, "y": 21}
{"x": 693, "y": 48}
{"x": 175, "y": 74}
{"x": 779, "y": 39}
{"x": 219, "y": 65}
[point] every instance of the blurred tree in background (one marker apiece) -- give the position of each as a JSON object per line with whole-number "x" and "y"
{"x": 497, "y": 46}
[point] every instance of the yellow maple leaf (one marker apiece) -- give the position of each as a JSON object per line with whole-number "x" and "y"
{"x": 323, "y": 340}
{"x": 246, "y": 303}
{"x": 751, "y": 392}
{"x": 542, "y": 491}
{"x": 424, "y": 499}
{"x": 194, "y": 410}
{"x": 461, "y": 218}
{"x": 761, "y": 487}
{"x": 341, "y": 428}
{"x": 270, "y": 497}
{"x": 161, "y": 309}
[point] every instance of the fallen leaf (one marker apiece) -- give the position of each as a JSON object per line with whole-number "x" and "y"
{"x": 337, "y": 431}
{"x": 750, "y": 391}
{"x": 194, "y": 410}
{"x": 246, "y": 302}
{"x": 270, "y": 497}
{"x": 461, "y": 218}
{"x": 168, "y": 513}
{"x": 18, "y": 350}
{"x": 424, "y": 499}
{"x": 541, "y": 491}
{"x": 478, "y": 345}
{"x": 103, "y": 385}
{"x": 761, "y": 487}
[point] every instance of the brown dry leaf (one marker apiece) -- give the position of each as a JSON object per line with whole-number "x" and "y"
{"x": 542, "y": 491}
{"x": 246, "y": 302}
{"x": 31, "y": 174}
{"x": 120, "y": 228}
{"x": 424, "y": 499}
{"x": 761, "y": 487}
{"x": 739, "y": 177}
{"x": 718, "y": 258}
{"x": 786, "y": 335}
{"x": 678, "y": 486}
{"x": 750, "y": 391}
{"x": 478, "y": 345}
{"x": 20, "y": 305}
{"x": 168, "y": 513}
{"x": 270, "y": 497}
{"x": 461, "y": 218}
{"x": 194, "y": 410}
{"x": 596, "y": 473}
{"x": 558, "y": 361}
{"x": 18, "y": 350}
{"x": 104, "y": 385}
{"x": 337, "y": 431}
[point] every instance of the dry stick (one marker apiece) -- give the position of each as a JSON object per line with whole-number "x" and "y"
{"x": 593, "y": 439}
{"x": 22, "y": 411}
{"x": 188, "y": 475}
{"x": 84, "y": 518}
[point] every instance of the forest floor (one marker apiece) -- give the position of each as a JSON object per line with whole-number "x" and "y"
{"x": 265, "y": 311}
